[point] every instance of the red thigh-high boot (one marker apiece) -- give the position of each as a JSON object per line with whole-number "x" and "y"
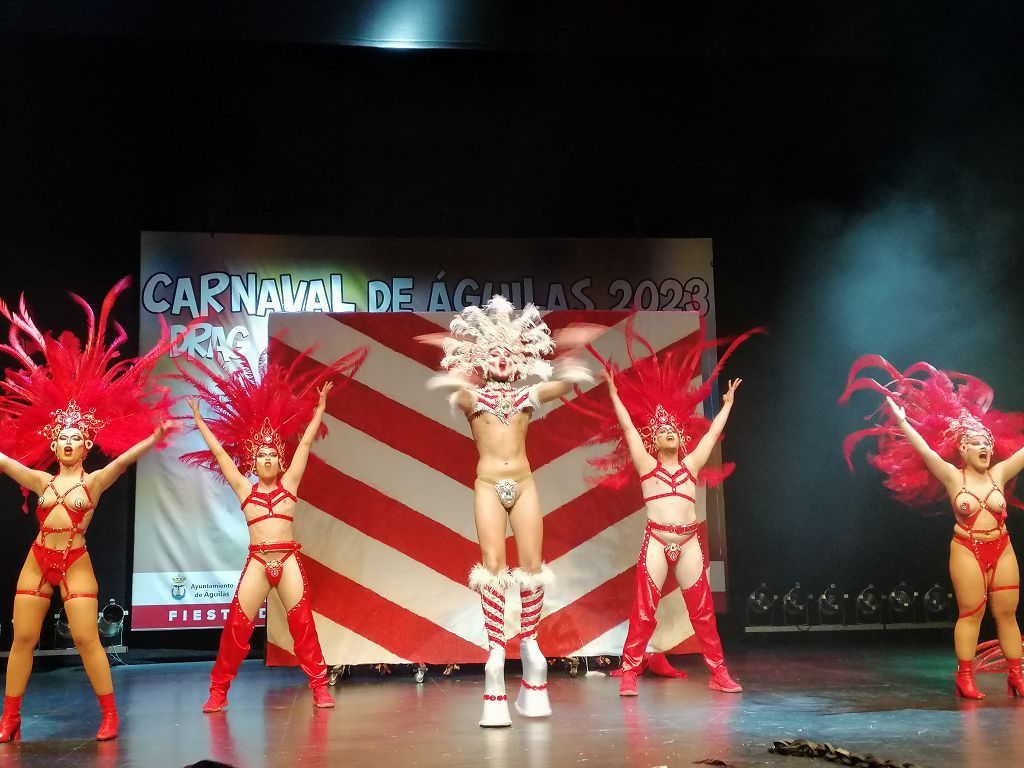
{"x": 234, "y": 647}
{"x": 307, "y": 649}
{"x": 642, "y": 624}
{"x": 10, "y": 722}
{"x": 491, "y": 587}
{"x": 108, "y": 717}
{"x": 532, "y": 700}
{"x": 702, "y": 616}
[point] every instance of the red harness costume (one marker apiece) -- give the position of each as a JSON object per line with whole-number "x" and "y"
{"x": 253, "y": 411}
{"x": 659, "y": 394}
{"x": 986, "y": 551}
{"x": 54, "y": 563}
{"x": 947, "y": 410}
{"x": 111, "y": 405}
{"x": 234, "y": 644}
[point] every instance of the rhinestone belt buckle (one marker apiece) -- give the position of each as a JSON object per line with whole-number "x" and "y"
{"x": 507, "y": 491}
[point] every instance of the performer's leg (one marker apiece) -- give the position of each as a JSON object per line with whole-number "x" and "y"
{"x": 491, "y": 587}
{"x": 969, "y": 584}
{"x": 79, "y": 591}
{"x": 701, "y": 607}
{"x": 491, "y": 578}
{"x": 651, "y": 571}
{"x": 532, "y": 576}
{"x": 1004, "y": 593}
{"x": 234, "y": 639}
{"x": 294, "y": 593}
{"x": 29, "y": 612}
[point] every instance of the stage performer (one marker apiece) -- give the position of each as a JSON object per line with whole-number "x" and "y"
{"x": 935, "y": 421}
{"x": 256, "y": 428}
{"x": 75, "y": 399}
{"x": 489, "y": 350}
{"x": 660, "y": 396}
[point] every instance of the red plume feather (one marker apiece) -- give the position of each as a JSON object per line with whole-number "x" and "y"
{"x": 56, "y": 371}
{"x": 935, "y": 402}
{"x": 240, "y": 400}
{"x": 648, "y": 383}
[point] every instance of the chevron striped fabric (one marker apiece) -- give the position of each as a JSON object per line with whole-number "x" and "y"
{"x": 385, "y": 514}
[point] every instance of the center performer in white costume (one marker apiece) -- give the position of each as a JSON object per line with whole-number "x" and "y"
{"x": 490, "y": 349}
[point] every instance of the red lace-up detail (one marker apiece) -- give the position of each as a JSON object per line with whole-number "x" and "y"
{"x": 672, "y": 479}
{"x": 963, "y": 510}
{"x": 54, "y": 562}
{"x": 268, "y": 501}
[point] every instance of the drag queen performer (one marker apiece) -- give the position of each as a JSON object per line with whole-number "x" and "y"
{"x": 256, "y": 426}
{"x": 492, "y": 343}
{"x": 76, "y": 399}
{"x": 660, "y": 396}
{"x": 934, "y": 418}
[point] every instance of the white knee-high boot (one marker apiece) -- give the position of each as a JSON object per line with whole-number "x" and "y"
{"x": 532, "y": 700}
{"x": 491, "y": 587}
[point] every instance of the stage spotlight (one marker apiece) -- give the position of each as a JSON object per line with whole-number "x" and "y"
{"x": 760, "y": 604}
{"x": 111, "y": 619}
{"x": 795, "y": 604}
{"x": 832, "y": 606}
{"x": 61, "y": 630}
{"x": 936, "y": 603}
{"x": 869, "y": 605}
{"x": 901, "y": 603}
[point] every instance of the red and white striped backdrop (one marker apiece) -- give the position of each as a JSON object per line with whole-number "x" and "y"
{"x": 385, "y": 508}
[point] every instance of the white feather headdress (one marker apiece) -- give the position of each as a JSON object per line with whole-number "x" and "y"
{"x": 478, "y": 330}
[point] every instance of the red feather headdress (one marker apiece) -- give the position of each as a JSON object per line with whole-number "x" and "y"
{"x": 945, "y": 407}
{"x": 266, "y": 406}
{"x": 77, "y": 385}
{"x": 656, "y": 393}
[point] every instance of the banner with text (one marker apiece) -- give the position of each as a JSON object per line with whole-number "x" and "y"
{"x": 190, "y": 537}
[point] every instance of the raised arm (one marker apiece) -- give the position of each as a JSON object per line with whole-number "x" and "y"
{"x": 1008, "y": 468}
{"x": 942, "y": 469}
{"x": 460, "y": 393}
{"x": 239, "y": 483}
{"x": 32, "y": 479}
{"x": 568, "y": 371}
{"x": 642, "y": 460}
{"x": 698, "y": 457}
{"x": 293, "y": 475}
{"x": 103, "y": 478}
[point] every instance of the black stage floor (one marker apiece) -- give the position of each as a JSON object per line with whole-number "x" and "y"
{"x": 893, "y": 699}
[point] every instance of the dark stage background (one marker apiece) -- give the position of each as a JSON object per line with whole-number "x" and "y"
{"x": 861, "y": 177}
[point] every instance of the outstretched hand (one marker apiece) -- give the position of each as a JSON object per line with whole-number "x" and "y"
{"x": 193, "y": 403}
{"x": 734, "y": 384}
{"x": 608, "y": 376}
{"x": 166, "y": 428}
{"x": 323, "y": 392}
{"x": 897, "y": 410}
{"x": 576, "y": 335}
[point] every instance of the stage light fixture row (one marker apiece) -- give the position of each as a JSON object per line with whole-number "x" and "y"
{"x": 871, "y": 608}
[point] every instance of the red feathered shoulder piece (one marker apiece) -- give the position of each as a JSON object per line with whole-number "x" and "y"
{"x": 656, "y": 390}
{"x": 942, "y": 406}
{"x": 63, "y": 382}
{"x": 269, "y": 404}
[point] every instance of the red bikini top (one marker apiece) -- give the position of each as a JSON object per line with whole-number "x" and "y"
{"x": 268, "y": 501}
{"x": 77, "y": 512}
{"x": 672, "y": 479}
{"x": 962, "y": 509}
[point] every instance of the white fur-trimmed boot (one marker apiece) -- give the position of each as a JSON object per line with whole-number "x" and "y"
{"x": 533, "y": 692}
{"x": 491, "y": 587}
